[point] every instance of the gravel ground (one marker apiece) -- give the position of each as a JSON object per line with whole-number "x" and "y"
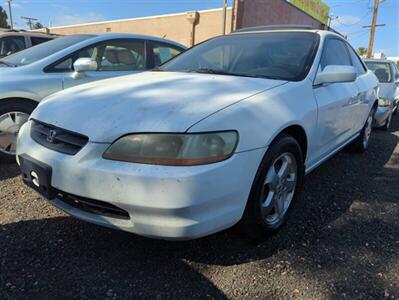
{"x": 342, "y": 241}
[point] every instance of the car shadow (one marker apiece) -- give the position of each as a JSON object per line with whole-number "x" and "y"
{"x": 8, "y": 170}
{"x": 346, "y": 212}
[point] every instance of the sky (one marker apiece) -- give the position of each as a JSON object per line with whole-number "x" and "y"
{"x": 351, "y": 15}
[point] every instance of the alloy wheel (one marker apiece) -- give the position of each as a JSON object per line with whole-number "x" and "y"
{"x": 10, "y": 124}
{"x": 388, "y": 123}
{"x": 367, "y": 131}
{"x": 279, "y": 188}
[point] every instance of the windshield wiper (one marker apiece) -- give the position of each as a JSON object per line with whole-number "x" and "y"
{"x": 221, "y": 72}
{"x": 6, "y": 64}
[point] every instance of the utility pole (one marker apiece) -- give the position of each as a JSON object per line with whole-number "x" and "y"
{"x": 10, "y": 12}
{"x": 224, "y": 16}
{"x": 29, "y": 21}
{"x": 372, "y": 30}
{"x": 330, "y": 19}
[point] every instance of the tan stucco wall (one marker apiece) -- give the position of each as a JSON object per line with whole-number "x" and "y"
{"x": 174, "y": 27}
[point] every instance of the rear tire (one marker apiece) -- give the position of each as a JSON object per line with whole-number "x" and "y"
{"x": 276, "y": 187}
{"x": 361, "y": 143}
{"x": 13, "y": 114}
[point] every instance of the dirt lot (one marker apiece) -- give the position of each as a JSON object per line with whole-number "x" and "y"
{"x": 341, "y": 242}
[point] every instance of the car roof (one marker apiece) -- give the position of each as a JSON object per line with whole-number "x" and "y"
{"x": 26, "y": 33}
{"x": 275, "y": 27}
{"x": 378, "y": 60}
{"x": 110, "y": 35}
{"x": 286, "y": 28}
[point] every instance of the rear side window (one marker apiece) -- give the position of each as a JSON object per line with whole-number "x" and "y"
{"x": 335, "y": 53}
{"x": 38, "y": 40}
{"x": 11, "y": 44}
{"x": 163, "y": 52}
{"x": 360, "y": 69}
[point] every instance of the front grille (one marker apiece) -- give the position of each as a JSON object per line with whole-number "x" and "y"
{"x": 57, "y": 139}
{"x": 92, "y": 206}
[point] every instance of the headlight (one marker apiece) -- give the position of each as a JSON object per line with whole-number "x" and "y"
{"x": 384, "y": 102}
{"x": 174, "y": 149}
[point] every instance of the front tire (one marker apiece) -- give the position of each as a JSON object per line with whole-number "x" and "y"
{"x": 13, "y": 114}
{"x": 275, "y": 188}
{"x": 361, "y": 143}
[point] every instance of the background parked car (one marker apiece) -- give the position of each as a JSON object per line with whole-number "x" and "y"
{"x": 12, "y": 41}
{"x": 30, "y": 75}
{"x": 388, "y": 77}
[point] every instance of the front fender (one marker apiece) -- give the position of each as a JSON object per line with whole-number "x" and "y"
{"x": 260, "y": 118}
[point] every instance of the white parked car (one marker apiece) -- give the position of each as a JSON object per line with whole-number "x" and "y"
{"x": 388, "y": 77}
{"x": 30, "y": 75}
{"x": 224, "y": 133}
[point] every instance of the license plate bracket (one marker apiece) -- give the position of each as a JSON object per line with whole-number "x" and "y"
{"x": 36, "y": 175}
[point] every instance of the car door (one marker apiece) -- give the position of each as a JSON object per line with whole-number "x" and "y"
{"x": 395, "y": 73}
{"x": 113, "y": 57}
{"x": 335, "y": 101}
{"x": 360, "y": 107}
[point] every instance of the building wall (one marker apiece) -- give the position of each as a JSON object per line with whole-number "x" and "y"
{"x": 250, "y": 13}
{"x": 176, "y": 27}
{"x": 208, "y": 23}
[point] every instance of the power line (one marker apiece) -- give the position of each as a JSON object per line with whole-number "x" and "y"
{"x": 346, "y": 3}
{"x": 29, "y": 21}
{"x": 10, "y": 12}
{"x": 357, "y": 22}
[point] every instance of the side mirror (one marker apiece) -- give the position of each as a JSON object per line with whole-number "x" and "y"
{"x": 334, "y": 74}
{"x": 84, "y": 64}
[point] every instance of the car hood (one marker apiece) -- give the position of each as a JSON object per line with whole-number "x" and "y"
{"x": 4, "y": 70}
{"x": 146, "y": 102}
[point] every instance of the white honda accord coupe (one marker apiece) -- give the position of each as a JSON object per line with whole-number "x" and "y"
{"x": 222, "y": 134}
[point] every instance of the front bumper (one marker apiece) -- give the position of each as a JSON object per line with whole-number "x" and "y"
{"x": 382, "y": 115}
{"x": 162, "y": 201}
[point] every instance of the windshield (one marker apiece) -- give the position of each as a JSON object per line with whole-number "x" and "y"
{"x": 41, "y": 51}
{"x": 275, "y": 55}
{"x": 381, "y": 70}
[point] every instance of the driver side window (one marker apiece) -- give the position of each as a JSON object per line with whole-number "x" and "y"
{"x": 335, "y": 53}
{"x": 67, "y": 64}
